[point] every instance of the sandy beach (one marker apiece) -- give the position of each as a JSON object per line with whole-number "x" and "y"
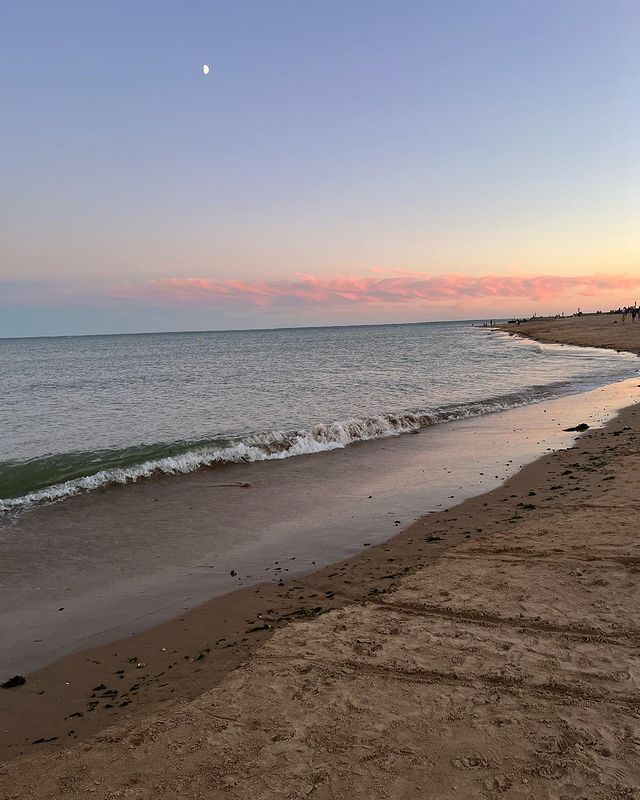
{"x": 489, "y": 650}
{"x": 590, "y": 330}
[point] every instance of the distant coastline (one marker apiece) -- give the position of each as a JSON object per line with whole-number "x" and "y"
{"x": 606, "y": 331}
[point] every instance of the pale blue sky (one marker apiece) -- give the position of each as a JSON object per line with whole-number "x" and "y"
{"x": 329, "y": 139}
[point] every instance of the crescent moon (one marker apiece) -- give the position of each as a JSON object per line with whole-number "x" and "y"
{"x": 205, "y": 69}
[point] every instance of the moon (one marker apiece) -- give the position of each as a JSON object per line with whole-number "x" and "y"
{"x": 205, "y": 69}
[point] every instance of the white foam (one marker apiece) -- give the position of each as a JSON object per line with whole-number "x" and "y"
{"x": 273, "y": 445}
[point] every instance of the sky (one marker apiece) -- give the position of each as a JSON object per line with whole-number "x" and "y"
{"x": 348, "y": 161}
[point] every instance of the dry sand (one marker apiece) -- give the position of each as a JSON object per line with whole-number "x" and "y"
{"x": 506, "y": 667}
{"x": 593, "y": 330}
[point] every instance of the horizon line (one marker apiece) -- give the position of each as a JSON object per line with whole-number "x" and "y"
{"x": 291, "y": 327}
{"x": 251, "y": 330}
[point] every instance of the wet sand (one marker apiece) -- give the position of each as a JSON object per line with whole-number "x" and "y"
{"x": 491, "y": 651}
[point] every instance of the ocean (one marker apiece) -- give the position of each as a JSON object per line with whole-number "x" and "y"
{"x": 79, "y": 413}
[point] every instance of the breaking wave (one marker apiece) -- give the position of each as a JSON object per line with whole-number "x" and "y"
{"x": 53, "y": 478}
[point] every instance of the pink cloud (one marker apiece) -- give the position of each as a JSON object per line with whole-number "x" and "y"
{"x": 402, "y": 289}
{"x": 395, "y": 289}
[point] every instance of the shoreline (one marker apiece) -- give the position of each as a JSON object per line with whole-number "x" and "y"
{"x": 191, "y": 653}
{"x": 117, "y": 562}
{"x": 350, "y": 586}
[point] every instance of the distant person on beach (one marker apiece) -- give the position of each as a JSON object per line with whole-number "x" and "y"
{"x": 634, "y": 314}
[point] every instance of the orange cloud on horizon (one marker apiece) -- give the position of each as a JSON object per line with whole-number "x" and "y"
{"x": 418, "y": 289}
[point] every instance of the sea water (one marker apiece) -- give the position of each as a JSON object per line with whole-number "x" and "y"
{"x": 78, "y": 413}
